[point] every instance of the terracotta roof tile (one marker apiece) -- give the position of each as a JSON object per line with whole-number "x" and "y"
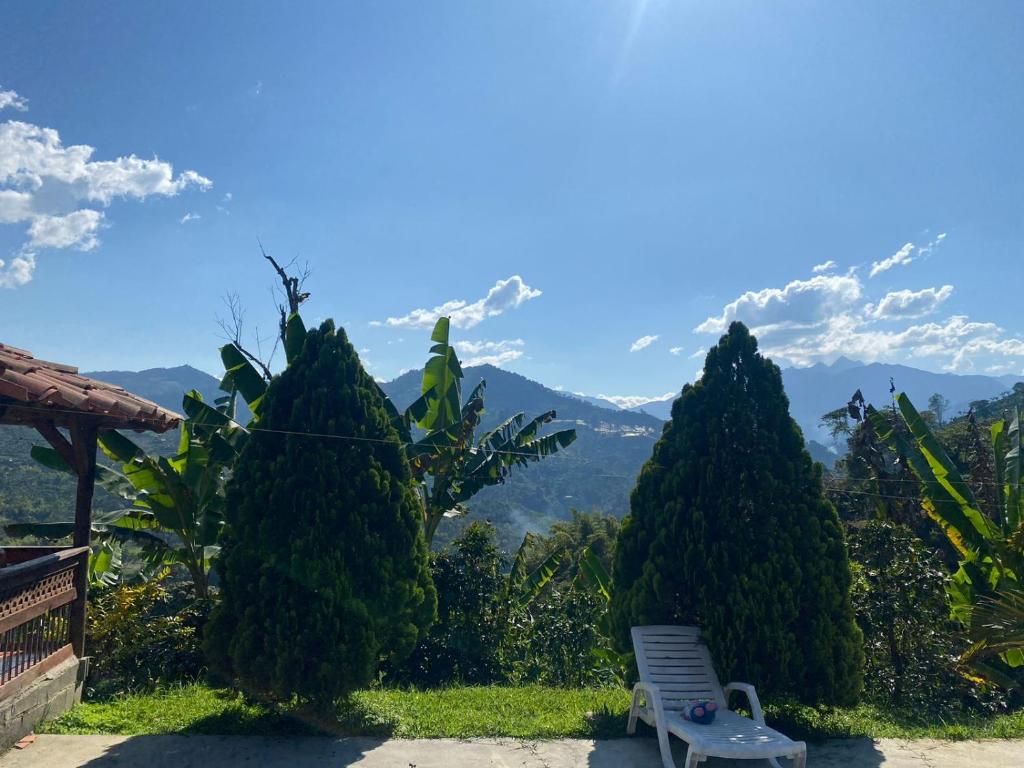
{"x": 36, "y": 389}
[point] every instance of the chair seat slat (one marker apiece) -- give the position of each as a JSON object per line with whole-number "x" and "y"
{"x": 674, "y": 654}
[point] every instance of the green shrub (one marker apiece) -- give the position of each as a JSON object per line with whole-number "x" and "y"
{"x": 552, "y": 641}
{"x": 482, "y": 637}
{"x": 910, "y": 643}
{"x": 729, "y": 530}
{"x": 323, "y": 564}
{"x": 142, "y": 636}
{"x": 592, "y": 531}
{"x": 464, "y": 645}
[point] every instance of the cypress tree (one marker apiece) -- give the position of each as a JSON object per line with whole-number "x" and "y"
{"x": 729, "y": 529}
{"x": 323, "y": 565}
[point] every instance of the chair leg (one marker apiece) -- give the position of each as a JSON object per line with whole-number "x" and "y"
{"x": 799, "y": 761}
{"x": 633, "y": 712}
{"x": 666, "y": 749}
{"x": 692, "y": 758}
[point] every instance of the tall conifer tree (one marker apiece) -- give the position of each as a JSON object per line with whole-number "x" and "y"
{"x": 729, "y": 529}
{"x": 324, "y": 566}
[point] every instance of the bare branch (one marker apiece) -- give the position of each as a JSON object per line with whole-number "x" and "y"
{"x": 232, "y": 327}
{"x": 232, "y": 330}
{"x": 255, "y": 361}
{"x": 292, "y": 285}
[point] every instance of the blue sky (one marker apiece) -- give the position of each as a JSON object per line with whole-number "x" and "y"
{"x": 603, "y": 185}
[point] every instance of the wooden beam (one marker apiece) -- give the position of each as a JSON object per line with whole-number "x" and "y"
{"x": 60, "y": 443}
{"x": 84, "y": 435}
{"x": 83, "y": 443}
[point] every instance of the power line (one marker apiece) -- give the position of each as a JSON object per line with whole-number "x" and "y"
{"x": 527, "y": 454}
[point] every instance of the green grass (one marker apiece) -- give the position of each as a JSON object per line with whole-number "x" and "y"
{"x": 185, "y": 709}
{"x": 529, "y": 712}
{"x": 865, "y": 720}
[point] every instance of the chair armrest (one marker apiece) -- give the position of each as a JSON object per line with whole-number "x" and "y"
{"x": 649, "y": 690}
{"x": 751, "y": 694}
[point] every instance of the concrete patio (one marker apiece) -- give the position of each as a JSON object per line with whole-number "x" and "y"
{"x": 250, "y": 752}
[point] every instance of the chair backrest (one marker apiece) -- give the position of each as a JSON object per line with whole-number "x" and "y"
{"x": 676, "y": 659}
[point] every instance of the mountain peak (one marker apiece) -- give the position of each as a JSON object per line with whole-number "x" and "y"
{"x": 843, "y": 363}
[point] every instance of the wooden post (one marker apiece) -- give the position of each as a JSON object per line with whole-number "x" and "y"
{"x": 83, "y": 441}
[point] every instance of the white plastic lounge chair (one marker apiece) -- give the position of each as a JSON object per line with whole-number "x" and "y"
{"x": 675, "y": 668}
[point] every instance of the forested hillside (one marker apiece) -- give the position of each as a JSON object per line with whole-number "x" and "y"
{"x": 597, "y": 472}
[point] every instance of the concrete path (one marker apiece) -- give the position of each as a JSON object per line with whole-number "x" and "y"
{"x": 252, "y": 752}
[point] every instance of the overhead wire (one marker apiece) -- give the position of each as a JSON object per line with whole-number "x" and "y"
{"x": 505, "y": 452}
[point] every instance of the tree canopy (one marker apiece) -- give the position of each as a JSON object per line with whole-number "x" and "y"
{"x": 729, "y": 529}
{"x": 324, "y": 566}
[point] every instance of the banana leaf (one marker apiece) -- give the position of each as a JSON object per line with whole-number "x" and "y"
{"x": 593, "y": 570}
{"x": 937, "y": 503}
{"x": 1012, "y": 473}
{"x": 944, "y": 470}
{"x": 529, "y": 588}
{"x": 241, "y": 375}
{"x": 443, "y": 376}
{"x": 294, "y": 337}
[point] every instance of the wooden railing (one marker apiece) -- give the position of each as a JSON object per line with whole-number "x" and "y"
{"x": 42, "y": 612}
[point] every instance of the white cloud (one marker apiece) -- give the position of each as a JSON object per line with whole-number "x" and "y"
{"x": 32, "y": 157}
{"x": 907, "y": 254}
{"x": 190, "y": 217}
{"x": 13, "y": 100}
{"x": 635, "y": 401}
{"x": 903, "y": 256}
{"x": 227, "y": 197}
{"x": 55, "y": 190}
{"x": 827, "y": 266}
{"x": 965, "y": 357}
{"x": 505, "y": 295}
{"x": 676, "y": 351}
{"x": 927, "y": 250}
{"x": 495, "y": 353}
{"x": 699, "y": 353}
{"x": 18, "y": 271}
{"x": 77, "y": 229}
{"x": 809, "y": 321}
{"x": 800, "y": 303}
{"x": 907, "y": 304}
{"x": 643, "y": 343}
{"x": 15, "y": 206}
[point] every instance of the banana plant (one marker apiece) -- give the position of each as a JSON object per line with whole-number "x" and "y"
{"x": 990, "y": 577}
{"x": 243, "y": 377}
{"x": 176, "y": 503}
{"x": 521, "y": 587}
{"x": 592, "y": 572}
{"x": 438, "y": 430}
{"x": 448, "y": 462}
{"x": 997, "y": 624}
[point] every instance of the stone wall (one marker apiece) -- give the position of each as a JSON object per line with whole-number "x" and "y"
{"x": 47, "y": 697}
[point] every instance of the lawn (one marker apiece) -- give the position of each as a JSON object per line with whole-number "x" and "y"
{"x": 529, "y": 712}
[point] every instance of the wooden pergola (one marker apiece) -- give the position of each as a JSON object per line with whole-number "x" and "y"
{"x": 43, "y": 589}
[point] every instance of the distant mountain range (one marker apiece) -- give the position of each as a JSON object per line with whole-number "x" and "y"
{"x": 821, "y": 388}
{"x": 164, "y": 386}
{"x": 596, "y": 472}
